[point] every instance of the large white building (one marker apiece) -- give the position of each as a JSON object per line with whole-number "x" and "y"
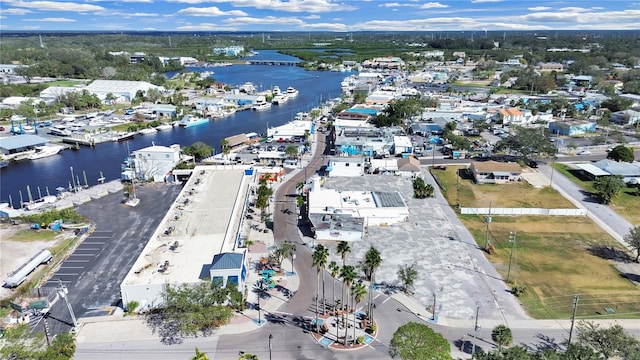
{"x": 151, "y": 163}
{"x": 123, "y": 91}
{"x": 197, "y": 240}
{"x": 343, "y": 215}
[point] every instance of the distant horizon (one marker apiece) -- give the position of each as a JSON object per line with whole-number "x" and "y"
{"x": 317, "y": 15}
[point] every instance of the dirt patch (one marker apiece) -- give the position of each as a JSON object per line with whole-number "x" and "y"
{"x": 14, "y": 254}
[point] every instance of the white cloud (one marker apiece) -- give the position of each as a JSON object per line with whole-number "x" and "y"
{"x": 429, "y": 5}
{"x": 485, "y": 1}
{"x": 433, "y": 5}
{"x": 311, "y": 6}
{"x": 52, "y": 20}
{"x": 326, "y": 26}
{"x": 16, "y": 11}
{"x": 55, "y": 6}
{"x": 539, "y": 8}
{"x": 142, "y": 15}
{"x": 573, "y": 9}
{"x": 571, "y": 19}
{"x": 312, "y": 17}
{"x": 205, "y": 27}
{"x": 267, "y": 20}
{"x": 210, "y": 11}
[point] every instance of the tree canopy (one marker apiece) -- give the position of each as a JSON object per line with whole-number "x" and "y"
{"x": 527, "y": 143}
{"x": 198, "y": 149}
{"x": 399, "y": 110}
{"x": 414, "y": 341}
{"x": 633, "y": 239}
{"x": 621, "y": 153}
{"x": 608, "y": 187}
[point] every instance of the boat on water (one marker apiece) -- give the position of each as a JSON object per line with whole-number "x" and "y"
{"x": 261, "y": 105}
{"x": 4, "y": 163}
{"x": 59, "y": 130}
{"x": 122, "y": 136}
{"x": 276, "y": 91}
{"x": 292, "y": 92}
{"x": 146, "y": 131}
{"x": 189, "y": 121}
{"x": 45, "y": 151}
{"x": 163, "y": 127}
{"x": 280, "y": 99}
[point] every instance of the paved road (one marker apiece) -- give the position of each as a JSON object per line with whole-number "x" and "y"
{"x": 603, "y": 215}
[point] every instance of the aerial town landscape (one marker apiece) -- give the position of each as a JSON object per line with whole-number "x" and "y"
{"x": 193, "y": 193}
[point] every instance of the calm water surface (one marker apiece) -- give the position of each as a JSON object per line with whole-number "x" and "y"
{"x": 52, "y": 172}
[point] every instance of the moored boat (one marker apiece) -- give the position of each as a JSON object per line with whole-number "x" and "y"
{"x": 59, "y": 130}
{"x": 279, "y": 99}
{"x": 261, "y": 105}
{"x": 292, "y": 92}
{"x": 163, "y": 127}
{"x": 44, "y": 151}
{"x": 189, "y": 121}
{"x": 146, "y": 131}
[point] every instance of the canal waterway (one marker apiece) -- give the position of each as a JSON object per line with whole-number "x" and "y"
{"x": 56, "y": 171}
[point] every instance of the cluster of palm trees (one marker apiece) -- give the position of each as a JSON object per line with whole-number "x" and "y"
{"x": 354, "y": 291}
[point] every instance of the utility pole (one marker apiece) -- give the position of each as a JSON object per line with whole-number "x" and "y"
{"x": 487, "y": 244}
{"x": 457, "y": 189}
{"x": 573, "y": 317}
{"x": 475, "y": 331}
{"x": 512, "y": 239}
{"x": 434, "y": 307}
{"x": 270, "y": 338}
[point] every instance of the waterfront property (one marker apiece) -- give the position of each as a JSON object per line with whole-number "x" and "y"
{"x": 197, "y": 239}
{"x": 15, "y": 146}
{"x": 151, "y": 163}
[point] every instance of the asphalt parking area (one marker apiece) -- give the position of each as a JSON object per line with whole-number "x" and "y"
{"x": 94, "y": 271}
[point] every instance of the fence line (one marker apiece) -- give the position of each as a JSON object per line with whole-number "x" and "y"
{"x": 523, "y": 211}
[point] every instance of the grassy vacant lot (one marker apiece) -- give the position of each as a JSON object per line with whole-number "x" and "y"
{"x": 555, "y": 257}
{"x": 65, "y": 83}
{"x": 626, "y": 203}
{"x": 27, "y": 235}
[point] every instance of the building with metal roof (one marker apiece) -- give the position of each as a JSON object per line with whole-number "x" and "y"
{"x": 13, "y": 145}
{"x": 124, "y": 91}
{"x": 228, "y": 267}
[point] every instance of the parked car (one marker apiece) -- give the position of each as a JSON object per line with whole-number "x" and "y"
{"x": 533, "y": 164}
{"x": 584, "y": 152}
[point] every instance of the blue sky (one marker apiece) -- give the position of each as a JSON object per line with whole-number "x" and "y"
{"x": 318, "y": 15}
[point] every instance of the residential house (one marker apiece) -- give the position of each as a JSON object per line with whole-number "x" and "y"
{"x": 571, "y": 128}
{"x": 408, "y": 166}
{"x": 550, "y": 66}
{"x": 494, "y": 172}
{"x": 346, "y": 166}
{"x": 510, "y": 116}
{"x": 625, "y": 117}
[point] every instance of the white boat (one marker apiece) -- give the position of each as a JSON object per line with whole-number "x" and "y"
{"x": 292, "y": 92}
{"x": 163, "y": 127}
{"x": 149, "y": 130}
{"x": 4, "y": 163}
{"x": 44, "y": 151}
{"x": 261, "y": 105}
{"x": 117, "y": 120}
{"x": 59, "y": 130}
{"x": 276, "y": 91}
{"x": 189, "y": 121}
{"x": 279, "y": 99}
{"x": 248, "y": 88}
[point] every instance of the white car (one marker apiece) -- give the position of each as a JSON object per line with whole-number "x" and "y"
{"x": 584, "y": 152}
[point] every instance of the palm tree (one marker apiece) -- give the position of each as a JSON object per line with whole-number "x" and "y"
{"x": 369, "y": 265}
{"x": 289, "y": 249}
{"x": 224, "y": 144}
{"x": 334, "y": 270}
{"x": 358, "y": 292}
{"x": 502, "y": 335}
{"x": 407, "y": 275}
{"x": 343, "y": 249}
{"x": 300, "y": 186}
{"x": 319, "y": 260}
{"x": 348, "y": 275}
{"x": 200, "y": 355}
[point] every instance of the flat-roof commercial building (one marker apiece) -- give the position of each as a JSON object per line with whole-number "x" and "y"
{"x": 343, "y": 215}
{"x": 197, "y": 240}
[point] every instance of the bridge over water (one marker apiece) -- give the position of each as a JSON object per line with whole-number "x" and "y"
{"x": 274, "y": 62}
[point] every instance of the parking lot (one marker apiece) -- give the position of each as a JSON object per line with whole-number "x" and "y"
{"x": 94, "y": 271}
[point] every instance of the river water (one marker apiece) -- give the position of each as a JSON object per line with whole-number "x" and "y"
{"x": 55, "y": 171}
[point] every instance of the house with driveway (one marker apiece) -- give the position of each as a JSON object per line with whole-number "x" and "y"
{"x": 494, "y": 172}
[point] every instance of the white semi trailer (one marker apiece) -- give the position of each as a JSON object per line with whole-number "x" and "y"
{"x": 19, "y": 276}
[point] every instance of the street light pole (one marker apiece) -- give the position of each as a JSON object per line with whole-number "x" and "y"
{"x": 475, "y": 331}
{"x": 487, "y": 244}
{"x": 270, "y": 337}
{"x": 73, "y": 180}
{"x": 512, "y": 239}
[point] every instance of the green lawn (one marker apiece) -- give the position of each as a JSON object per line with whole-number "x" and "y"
{"x": 626, "y": 204}
{"x": 65, "y": 83}
{"x": 555, "y": 257}
{"x": 33, "y": 235}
